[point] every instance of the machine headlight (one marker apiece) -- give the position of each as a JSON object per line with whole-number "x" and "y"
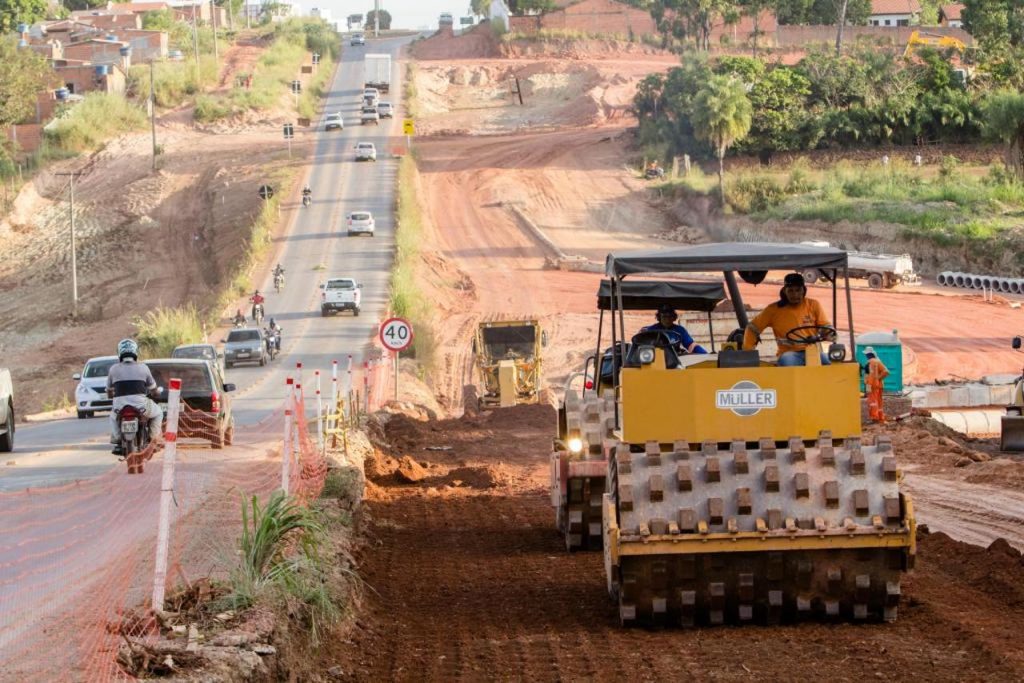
{"x": 837, "y": 353}
{"x": 646, "y": 355}
{"x": 576, "y": 444}
{"x": 82, "y": 389}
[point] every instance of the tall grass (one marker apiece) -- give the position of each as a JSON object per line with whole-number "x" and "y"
{"x": 280, "y": 552}
{"x": 409, "y": 90}
{"x": 406, "y": 298}
{"x": 277, "y": 67}
{"x": 86, "y": 125}
{"x": 173, "y": 82}
{"x": 160, "y": 330}
{"x": 314, "y": 92}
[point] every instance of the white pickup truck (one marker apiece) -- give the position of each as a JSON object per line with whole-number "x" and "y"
{"x": 6, "y": 412}
{"x": 340, "y": 294}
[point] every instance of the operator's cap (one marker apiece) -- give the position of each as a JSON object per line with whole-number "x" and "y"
{"x": 667, "y": 308}
{"x": 869, "y": 351}
{"x": 794, "y": 279}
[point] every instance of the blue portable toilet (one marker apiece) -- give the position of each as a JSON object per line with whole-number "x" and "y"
{"x": 889, "y": 350}
{"x": 62, "y": 94}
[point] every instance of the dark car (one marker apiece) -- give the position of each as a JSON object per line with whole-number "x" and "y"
{"x": 205, "y": 393}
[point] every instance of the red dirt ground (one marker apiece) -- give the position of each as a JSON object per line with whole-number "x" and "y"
{"x": 469, "y": 581}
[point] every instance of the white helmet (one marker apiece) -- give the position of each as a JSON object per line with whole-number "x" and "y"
{"x": 127, "y": 347}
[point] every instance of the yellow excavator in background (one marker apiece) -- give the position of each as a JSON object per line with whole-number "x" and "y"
{"x": 920, "y": 38}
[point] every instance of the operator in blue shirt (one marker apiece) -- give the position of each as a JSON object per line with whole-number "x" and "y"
{"x": 681, "y": 339}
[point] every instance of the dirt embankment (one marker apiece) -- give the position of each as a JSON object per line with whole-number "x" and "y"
{"x": 144, "y": 239}
{"x": 471, "y": 579}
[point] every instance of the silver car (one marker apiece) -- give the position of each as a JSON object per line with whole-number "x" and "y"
{"x": 361, "y": 223}
{"x": 245, "y": 345}
{"x": 202, "y": 351}
{"x": 91, "y": 392}
{"x": 334, "y": 121}
{"x": 385, "y": 110}
{"x": 365, "y": 151}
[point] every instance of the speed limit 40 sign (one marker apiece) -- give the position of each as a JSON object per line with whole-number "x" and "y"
{"x": 396, "y": 334}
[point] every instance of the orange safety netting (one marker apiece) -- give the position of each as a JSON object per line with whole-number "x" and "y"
{"x": 75, "y": 559}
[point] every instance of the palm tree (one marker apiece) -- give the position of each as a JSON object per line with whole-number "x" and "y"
{"x": 721, "y": 117}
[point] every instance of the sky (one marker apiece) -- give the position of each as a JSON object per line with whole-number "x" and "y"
{"x": 410, "y": 14}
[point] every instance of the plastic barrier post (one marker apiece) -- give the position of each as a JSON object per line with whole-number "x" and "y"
{"x": 163, "y": 536}
{"x": 286, "y": 450}
{"x": 334, "y": 395}
{"x": 319, "y": 416}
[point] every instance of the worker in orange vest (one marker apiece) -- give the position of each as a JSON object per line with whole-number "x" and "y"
{"x": 875, "y": 372}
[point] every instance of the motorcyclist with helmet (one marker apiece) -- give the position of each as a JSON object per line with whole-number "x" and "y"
{"x": 277, "y": 330}
{"x": 129, "y": 383}
{"x": 257, "y": 300}
{"x": 307, "y": 195}
{"x": 278, "y": 276}
{"x": 239, "y": 319}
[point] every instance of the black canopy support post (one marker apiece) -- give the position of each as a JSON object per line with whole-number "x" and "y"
{"x": 598, "y": 358}
{"x": 737, "y": 300}
{"x": 849, "y": 312}
{"x": 711, "y": 331}
{"x": 615, "y": 351}
{"x": 835, "y": 297}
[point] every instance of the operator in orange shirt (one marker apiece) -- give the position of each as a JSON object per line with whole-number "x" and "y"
{"x": 792, "y": 310}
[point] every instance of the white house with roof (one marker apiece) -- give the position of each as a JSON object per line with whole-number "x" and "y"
{"x": 952, "y": 15}
{"x": 895, "y": 13}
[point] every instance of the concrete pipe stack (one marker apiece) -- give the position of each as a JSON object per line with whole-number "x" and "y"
{"x": 994, "y": 283}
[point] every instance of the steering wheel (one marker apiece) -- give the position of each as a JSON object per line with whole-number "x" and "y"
{"x": 661, "y": 339}
{"x": 811, "y": 334}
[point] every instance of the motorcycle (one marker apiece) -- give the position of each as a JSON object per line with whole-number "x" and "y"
{"x": 257, "y": 313}
{"x": 307, "y": 199}
{"x": 133, "y": 427}
{"x": 654, "y": 173}
{"x": 278, "y": 282}
{"x": 239, "y": 322}
{"x": 272, "y": 344}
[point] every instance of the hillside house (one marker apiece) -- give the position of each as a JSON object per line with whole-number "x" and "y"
{"x": 895, "y": 13}
{"x": 952, "y": 15}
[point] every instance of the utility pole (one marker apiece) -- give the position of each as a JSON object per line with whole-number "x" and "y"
{"x": 248, "y": 15}
{"x": 74, "y": 249}
{"x": 213, "y": 23}
{"x": 152, "y": 111}
{"x": 376, "y": 18}
{"x": 195, "y": 43}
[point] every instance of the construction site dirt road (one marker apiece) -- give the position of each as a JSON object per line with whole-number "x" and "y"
{"x": 467, "y": 580}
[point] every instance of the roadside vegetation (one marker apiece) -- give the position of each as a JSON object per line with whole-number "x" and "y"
{"x": 162, "y": 329}
{"x": 406, "y": 298}
{"x": 94, "y": 120}
{"x": 293, "y": 43}
{"x": 175, "y": 81}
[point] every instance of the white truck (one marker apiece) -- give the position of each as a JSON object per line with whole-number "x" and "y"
{"x": 377, "y": 71}
{"x": 880, "y": 270}
{"x": 6, "y": 412}
{"x": 340, "y": 294}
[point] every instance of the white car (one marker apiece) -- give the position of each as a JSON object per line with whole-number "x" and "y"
{"x": 365, "y": 151}
{"x": 385, "y": 110}
{"x": 358, "y": 39}
{"x": 369, "y": 115}
{"x": 370, "y": 97}
{"x": 91, "y": 392}
{"x": 361, "y": 223}
{"x": 334, "y": 121}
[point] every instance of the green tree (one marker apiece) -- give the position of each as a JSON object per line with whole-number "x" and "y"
{"x": 1003, "y": 114}
{"x": 385, "y": 19}
{"x": 23, "y": 74}
{"x": 779, "y": 102}
{"x": 480, "y": 8}
{"x": 722, "y": 117}
{"x": 754, "y": 9}
{"x": 14, "y": 12}
{"x": 80, "y": 5}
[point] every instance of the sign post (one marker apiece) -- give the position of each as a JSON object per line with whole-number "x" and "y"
{"x": 409, "y": 128}
{"x": 289, "y": 133}
{"x": 396, "y": 336}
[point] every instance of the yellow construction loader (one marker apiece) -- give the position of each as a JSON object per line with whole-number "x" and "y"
{"x": 738, "y": 490}
{"x": 507, "y": 355}
{"x": 1011, "y": 435}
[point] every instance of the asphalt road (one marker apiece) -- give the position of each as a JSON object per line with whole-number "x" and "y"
{"x": 314, "y": 248}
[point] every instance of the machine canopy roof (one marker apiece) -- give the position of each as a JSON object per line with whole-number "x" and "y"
{"x": 640, "y": 295}
{"x": 724, "y": 256}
